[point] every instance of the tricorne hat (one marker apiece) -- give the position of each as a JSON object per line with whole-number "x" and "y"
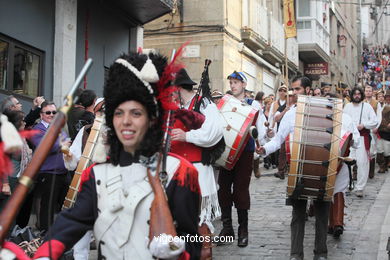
{"x": 183, "y": 80}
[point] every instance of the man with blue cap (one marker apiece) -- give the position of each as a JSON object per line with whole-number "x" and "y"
{"x": 234, "y": 184}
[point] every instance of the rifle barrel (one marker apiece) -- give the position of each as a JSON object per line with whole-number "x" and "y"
{"x": 14, "y": 203}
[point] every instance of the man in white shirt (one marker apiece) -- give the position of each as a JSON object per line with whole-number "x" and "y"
{"x": 321, "y": 208}
{"x": 364, "y": 118}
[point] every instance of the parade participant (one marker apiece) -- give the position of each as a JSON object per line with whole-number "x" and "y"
{"x": 194, "y": 144}
{"x": 258, "y": 103}
{"x": 239, "y": 177}
{"x": 321, "y": 208}
{"x": 71, "y": 160}
{"x": 364, "y": 117}
{"x": 122, "y": 198}
{"x": 82, "y": 112}
{"x": 278, "y": 110}
{"x": 336, "y": 212}
{"x": 368, "y": 92}
{"x": 216, "y": 96}
{"x": 383, "y": 152}
{"x": 346, "y": 96}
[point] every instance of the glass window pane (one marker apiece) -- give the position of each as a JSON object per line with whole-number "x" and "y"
{"x": 307, "y": 24}
{"x": 299, "y": 25}
{"x": 26, "y": 72}
{"x": 304, "y": 8}
{"x": 3, "y": 64}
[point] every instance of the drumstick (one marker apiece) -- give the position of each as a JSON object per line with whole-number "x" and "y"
{"x": 254, "y": 133}
{"x": 346, "y": 159}
{"x": 266, "y": 124}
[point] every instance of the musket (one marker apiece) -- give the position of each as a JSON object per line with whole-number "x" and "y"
{"x": 26, "y": 181}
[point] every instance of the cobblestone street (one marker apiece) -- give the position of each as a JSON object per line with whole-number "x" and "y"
{"x": 365, "y": 234}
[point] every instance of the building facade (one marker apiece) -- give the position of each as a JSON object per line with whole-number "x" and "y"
{"x": 344, "y": 45}
{"x": 243, "y": 35}
{"x": 44, "y": 44}
{"x": 376, "y": 17}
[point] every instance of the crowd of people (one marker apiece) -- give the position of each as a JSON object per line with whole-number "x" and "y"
{"x": 376, "y": 68}
{"x": 137, "y": 190}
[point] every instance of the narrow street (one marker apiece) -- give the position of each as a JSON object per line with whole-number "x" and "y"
{"x": 269, "y": 224}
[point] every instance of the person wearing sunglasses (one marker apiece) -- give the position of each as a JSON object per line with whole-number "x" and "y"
{"x": 52, "y": 169}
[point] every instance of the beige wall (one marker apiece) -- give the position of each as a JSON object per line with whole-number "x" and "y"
{"x": 344, "y": 59}
{"x": 220, "y": 47}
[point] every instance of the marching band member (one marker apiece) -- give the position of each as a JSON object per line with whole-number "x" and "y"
{"x": 383, "y": 132}
{"x": 365, "y": 119}
{"x": 239, "y": 177}
{"x": 71, "y": 160}
{"x": 336, "y": 213}
{"x": 117, "y": 198}
{"x": 194, "y": 142}
{"x": 321, "y": 208}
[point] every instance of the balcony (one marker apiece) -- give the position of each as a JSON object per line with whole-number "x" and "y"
{"x": 255, "y": 30}
{"x": 292, "y": 53}
{"x": 275, "y": 50}
{"x": 313, "y": 40}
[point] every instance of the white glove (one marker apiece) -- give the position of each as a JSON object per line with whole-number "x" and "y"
{"x": 166, "y": 246}
{"x": 6, "y": 254}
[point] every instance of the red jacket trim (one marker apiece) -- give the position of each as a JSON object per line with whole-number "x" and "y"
{"x": 186, "y": 175}
{"x": 57, "y": 249}
{"x": 19, "y": 253}
{"x": 184, "y": 256}
{"x": 85, "y": 176}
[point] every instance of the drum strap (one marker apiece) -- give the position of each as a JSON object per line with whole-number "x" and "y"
{"x": 361, "y": 112}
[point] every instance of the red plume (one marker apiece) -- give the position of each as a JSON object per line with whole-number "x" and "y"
{"x": 165, "y": 89}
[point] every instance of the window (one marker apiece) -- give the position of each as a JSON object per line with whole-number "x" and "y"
{"x": 304, "y": 8}
{"x": 20, "y": 68}
{"x": 3, "y": 64}
{"x": 304, "y": 25}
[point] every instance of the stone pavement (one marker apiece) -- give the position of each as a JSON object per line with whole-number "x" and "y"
{"x": 367, "y": 224}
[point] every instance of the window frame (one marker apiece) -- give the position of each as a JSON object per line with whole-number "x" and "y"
{"x": 12, "y": 43}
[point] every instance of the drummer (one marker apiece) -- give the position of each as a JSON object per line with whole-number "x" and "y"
{"x": 321, "y": 208}
{"x": 239, "y": 177}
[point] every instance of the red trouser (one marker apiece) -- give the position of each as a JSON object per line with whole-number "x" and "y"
{"x": 239, "y": 177}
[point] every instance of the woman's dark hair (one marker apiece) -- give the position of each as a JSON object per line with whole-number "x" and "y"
{"x": 121, "y": 86}
{"x": 15, "y": 117}
{"x": 259, "y": 96}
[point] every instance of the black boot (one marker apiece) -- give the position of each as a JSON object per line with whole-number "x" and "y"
{"x": 243, "y": 227}
{"x": 227, "y": 229}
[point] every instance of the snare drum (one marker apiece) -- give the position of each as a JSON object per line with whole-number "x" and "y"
{"x": 238, "y": 117}
{"x": 315, "y": 148}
